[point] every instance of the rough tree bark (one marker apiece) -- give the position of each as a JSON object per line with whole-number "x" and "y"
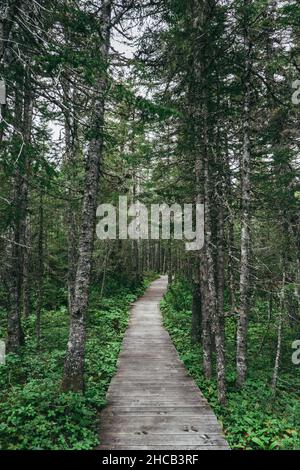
{"x": 15, "y": 336}
{"x": 24, "y": 217}
{"x": 206, "y": 321}
{"x": 211, "y": 276}
{"x": 170, "y": 263}
{"x": 279, "y": 334}
{"x": 8, "y": 11}
{"x": 198, "y": 109}
{"x": 230, "y": 237}
{"x": 26, "y": 262}
{"x": 196, "y": 313}
{"x": 195, "y": 97}
{"x": 40, "y": 283}
{"x": 221, "y": 257}
{"x": 23, "y": 126}
{"x": 286, "y": 243}
{"x": 70, "y": 163}
{"x": 203, "y": 284}
{"x": 73, "y": 377}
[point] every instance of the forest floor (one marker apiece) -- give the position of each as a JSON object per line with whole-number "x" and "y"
{"x": 35, "y": 415}
{"x": 253, "y": 417}
{"x": 153, "y": 403}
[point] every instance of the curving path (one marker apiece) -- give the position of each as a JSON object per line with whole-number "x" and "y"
{"x": 153, "y": 403}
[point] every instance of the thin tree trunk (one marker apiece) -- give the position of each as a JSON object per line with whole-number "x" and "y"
{"x": 196, "y": 313}
{"x": 107, "y": 255}
{"x": 230, "y": 232}
{"x": 285, "y": 232}
{"x": 203, "y": 287}
{"x": 40, "y": 289}
{"x": 8, "y": 11}
{"x": 158, "y": 257}
{"x": 26, "y": 258}
{"x": 15, "y": 336}
{"x": 279, "y": 332}
{"x": 170, "y": 263}
{"x": 164, "y": 261}
{"x": 148, "y": 255}
{"x": 24, "y": 218}
{"x": 70, "y": 165}
{"x": 221, "y": 266}
{"x": 242, "y": 326}
{"x": 231, "y": 264}
{"x": 206, "y": 321}
{"x": 212, "y": 291}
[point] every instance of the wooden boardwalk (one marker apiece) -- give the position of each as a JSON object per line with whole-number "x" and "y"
{"x": 153, "y": 403}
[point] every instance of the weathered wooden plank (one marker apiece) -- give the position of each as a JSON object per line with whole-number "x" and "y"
{"x": 202, "y": 409}
{"x": 148, "y": 389}
{"x": 152, "y": 399}
{"x": 129, "y": 439}
{"x": 144, "y": 382}
{"x": 156, "y": 393}
{"x": 185, "y": 424}
{"x": 157, "y": 425}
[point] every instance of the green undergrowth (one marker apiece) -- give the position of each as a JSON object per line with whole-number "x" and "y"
{"x": 253, "y": 417}
{"x": 34, "y": 414}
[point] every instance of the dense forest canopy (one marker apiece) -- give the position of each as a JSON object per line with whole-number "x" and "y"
{"x": 164, "y": 102}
